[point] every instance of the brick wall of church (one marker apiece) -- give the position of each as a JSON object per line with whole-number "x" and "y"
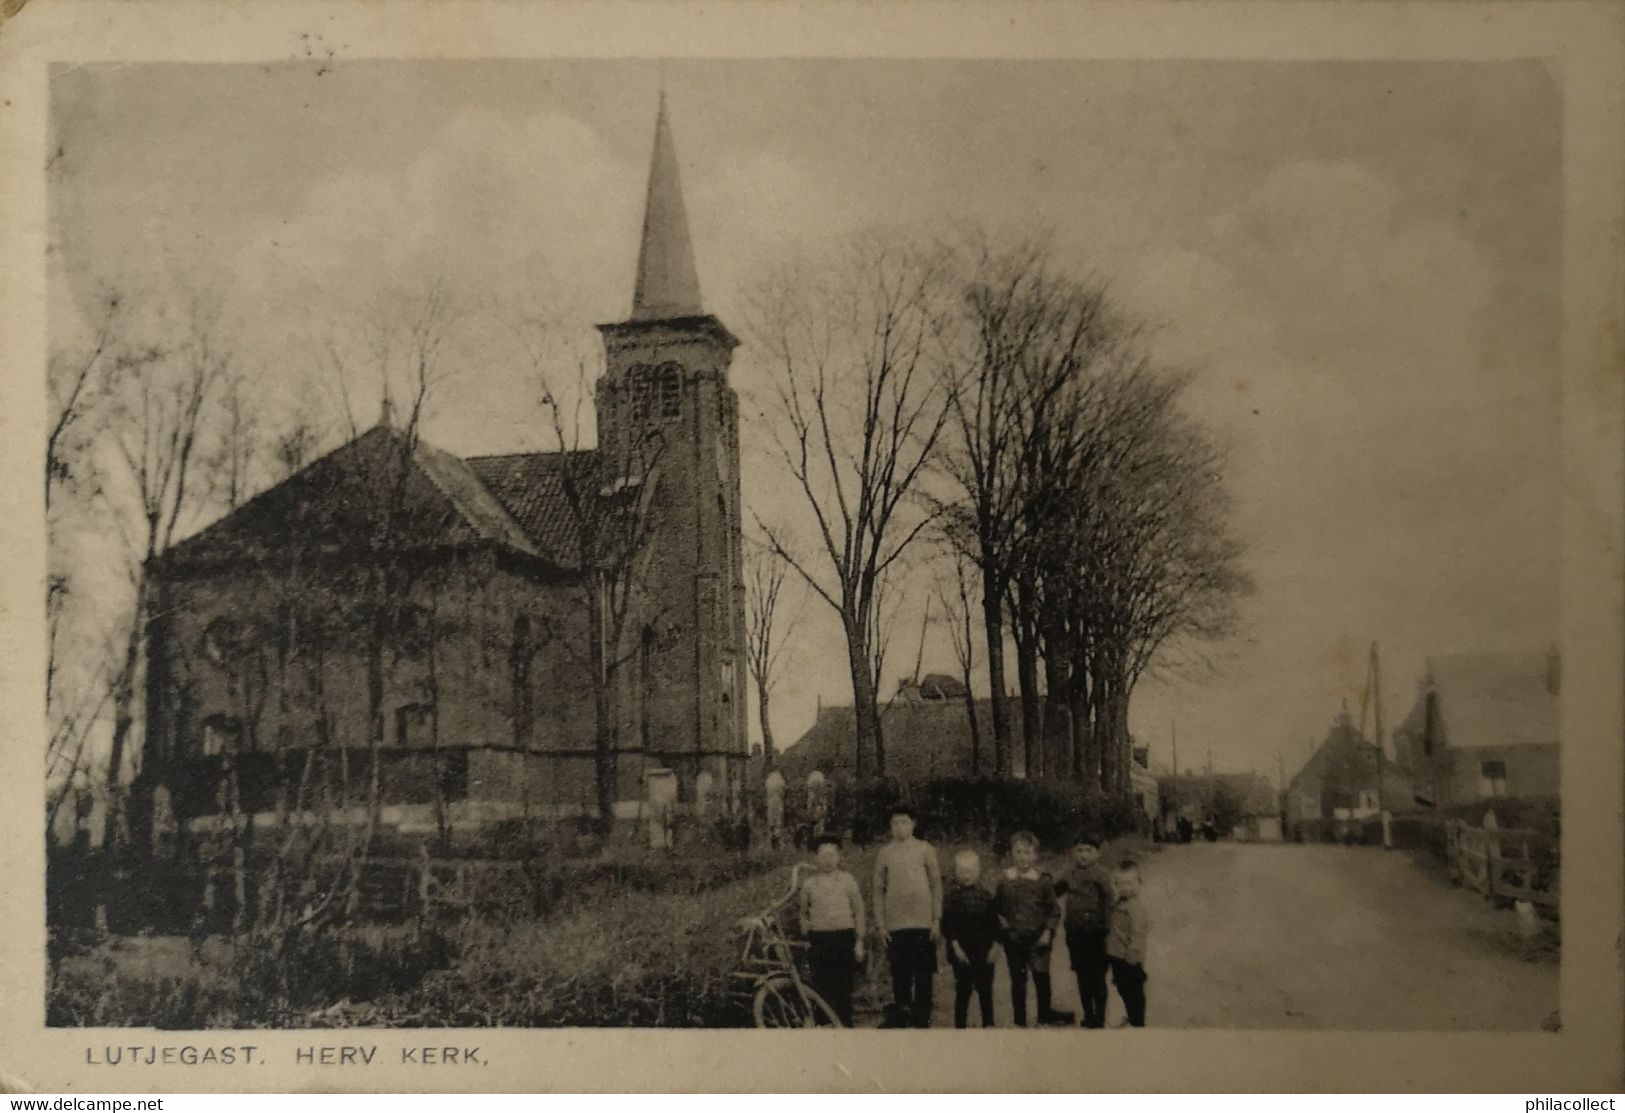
{"x": 507, "y": 657}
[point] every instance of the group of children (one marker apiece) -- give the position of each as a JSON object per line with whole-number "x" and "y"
{"x": 1101, "y": 914}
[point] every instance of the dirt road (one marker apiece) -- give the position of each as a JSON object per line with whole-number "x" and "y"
{"x": 1327, "y": 937}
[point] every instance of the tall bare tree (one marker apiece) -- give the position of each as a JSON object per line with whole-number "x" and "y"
{"x": 1025, "y": 334}
{"x": 1073, "y": 470}
{"x": 612, "y": 494}
{"x": 851, "y": 344}
{"x": 765, "y": 641}
{"x": 956, "y": 594}
{"x": 305, "y": 864}
{"x": 157, "y": 433}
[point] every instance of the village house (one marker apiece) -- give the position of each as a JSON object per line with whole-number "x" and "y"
{"x": 927, "y": 734}
{"x": 1484, "y": 725}
{"x": 1347, "y": 781}
{"x": 440, "y": 612}
{"x": 1244, "y": 806}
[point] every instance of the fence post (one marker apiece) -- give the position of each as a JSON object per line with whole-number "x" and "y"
{"x": 1492, "y": 863}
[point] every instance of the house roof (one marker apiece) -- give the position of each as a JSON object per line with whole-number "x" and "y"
{"x": 932, "y": 686}
{"x": 513, "y": 502}
{"x": 924, "y": 738}
{"x": 1344, "y": 753}
{"x": 1496, "y": 699}
{"x": 1252, "y": 791}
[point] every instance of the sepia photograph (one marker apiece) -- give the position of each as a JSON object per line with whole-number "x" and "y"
{"x": 779, "y": 542}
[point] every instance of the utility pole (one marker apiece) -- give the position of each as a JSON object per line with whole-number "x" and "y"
{"x": 925, "y": 625}
{"x": 1382, "y": 761}
{"x": 1173, "y": 733}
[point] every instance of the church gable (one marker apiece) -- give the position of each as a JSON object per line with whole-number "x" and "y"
{"x": 358, "y": 498}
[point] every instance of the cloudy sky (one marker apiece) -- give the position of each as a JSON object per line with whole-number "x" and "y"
{"x": 1361, "y": 260}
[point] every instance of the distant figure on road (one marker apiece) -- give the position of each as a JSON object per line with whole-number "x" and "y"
{"x": 1125, "y": 944}
{"x": 1184, "y": 829}
{"x": 908, "y": 915}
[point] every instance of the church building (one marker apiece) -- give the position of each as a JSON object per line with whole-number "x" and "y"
{"x": 445, "y": 642}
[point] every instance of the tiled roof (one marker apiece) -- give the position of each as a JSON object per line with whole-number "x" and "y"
{"x": 516, "y": 502}
{"x": 1496, "y": 699}
{"x": 483, "y": 511}
{"x": 532, "y": 488}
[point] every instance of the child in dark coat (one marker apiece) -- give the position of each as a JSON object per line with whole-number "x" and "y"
{"x": 970, "y": 930}
{"x": 1088, "y": 893}
{"x": 1029, "y": 913}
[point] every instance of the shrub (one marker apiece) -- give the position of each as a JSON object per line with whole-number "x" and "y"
{"x": 647, "y": 940}
{"x": 249, "y": 982}
{"x": 986, "y": 808}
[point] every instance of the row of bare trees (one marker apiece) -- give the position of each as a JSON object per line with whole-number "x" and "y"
{"x": 984, "y": 408}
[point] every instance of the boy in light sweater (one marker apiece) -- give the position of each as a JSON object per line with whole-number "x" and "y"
{"x": 908, "y": 914}
{"x": 832, "y": 919}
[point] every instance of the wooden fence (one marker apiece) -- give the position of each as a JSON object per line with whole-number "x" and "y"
{"x": 1505, "y": 865}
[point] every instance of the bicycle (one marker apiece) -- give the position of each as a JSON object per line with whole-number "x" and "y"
{"x": 769, "y": 971}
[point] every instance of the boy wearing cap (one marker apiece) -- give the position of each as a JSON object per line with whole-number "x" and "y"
{"x": 908, "y": 915}
{"x": 1089, "y": 899}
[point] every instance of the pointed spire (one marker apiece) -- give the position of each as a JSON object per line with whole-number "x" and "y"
{"x": 667, "y": 285}
{"x": 386, "y": 413}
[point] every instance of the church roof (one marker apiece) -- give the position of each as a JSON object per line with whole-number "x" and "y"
{"x": 342, "y": 501}
{"x": 531, "y": 487}
{"x": 482, "y": 510}
{"x": 667, "y": 283}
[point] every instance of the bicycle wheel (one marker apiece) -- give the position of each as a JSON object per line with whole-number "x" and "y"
{"x": 781, "y": 1003}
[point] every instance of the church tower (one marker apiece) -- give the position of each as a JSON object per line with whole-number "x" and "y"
{"x": 667, "y": 414}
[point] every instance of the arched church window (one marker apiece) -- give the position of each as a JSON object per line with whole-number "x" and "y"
{"x": 657, "y": 392}
{"x": 221, "y": 735}
{"x": 519, "y": 670}
{"x": 670, "y": 379}
{"x": 640, "y": 380}
{"x": 646, "y": 684}
{"x": 222, "y": 639}
{"x": 414, "y": 725}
